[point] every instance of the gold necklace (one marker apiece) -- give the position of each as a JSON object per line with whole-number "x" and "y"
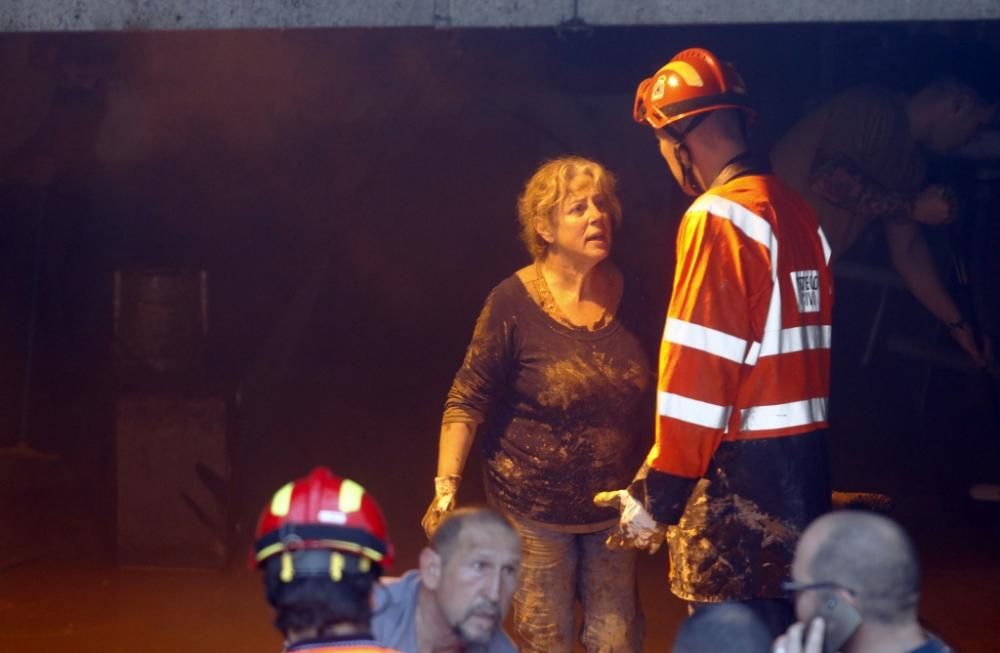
{"x": 548, "y": 303}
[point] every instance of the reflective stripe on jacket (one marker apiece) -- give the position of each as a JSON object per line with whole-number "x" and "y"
{"x": 739, "y": 463}
{"x": 746, "y": 346}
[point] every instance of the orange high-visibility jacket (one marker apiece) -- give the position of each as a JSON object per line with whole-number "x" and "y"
{"x": 746, "y": 345}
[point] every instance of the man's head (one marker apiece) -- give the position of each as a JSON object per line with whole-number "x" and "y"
{"x": 322, "y": 543}
{"x": 954, "y": 91}
{"x": 471, "y": 571}
{"x": 697, "y": 105}
{"x": 729, "y": 627}
{"x": 952, "y": 114}
{"x": 865, "y": 558}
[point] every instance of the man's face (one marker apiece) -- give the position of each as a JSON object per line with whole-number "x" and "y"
{"x": 963, "y": 114}
{"x": 478, "y": 580}
{"x": 668, "y": 150}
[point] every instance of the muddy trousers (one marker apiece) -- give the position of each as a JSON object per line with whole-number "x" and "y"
{"x": 558, "y": 568}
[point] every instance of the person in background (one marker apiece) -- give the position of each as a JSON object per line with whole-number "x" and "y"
{"x": 723, "y": 627}
{"x": 859, "y": 159}
{"x": 322, "y": 543}
{"x": 856, "y": 582}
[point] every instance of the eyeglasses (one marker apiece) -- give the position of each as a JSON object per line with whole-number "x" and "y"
{"x": 793, "y": 587}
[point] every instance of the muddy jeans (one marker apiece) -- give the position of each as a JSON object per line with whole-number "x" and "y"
{"x": 558, "y": 567}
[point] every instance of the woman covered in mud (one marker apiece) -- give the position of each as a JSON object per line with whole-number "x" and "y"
{"x": 557, "y": 377}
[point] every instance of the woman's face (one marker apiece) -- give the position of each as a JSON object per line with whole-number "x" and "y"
{"x": 581, "y": 225}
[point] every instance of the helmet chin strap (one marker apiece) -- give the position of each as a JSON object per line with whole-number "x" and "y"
{"x": 687, "y": 167}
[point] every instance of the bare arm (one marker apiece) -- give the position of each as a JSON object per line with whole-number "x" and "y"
{"x": 453, "y": 447}
{"x": 913, "y": 261}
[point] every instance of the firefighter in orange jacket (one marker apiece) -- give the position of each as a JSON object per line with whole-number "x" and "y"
{"x": 739, "y": 465}
{"x": 322, "y": 543}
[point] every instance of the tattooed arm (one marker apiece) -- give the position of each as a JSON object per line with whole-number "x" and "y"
{"x": 840, "y": 180}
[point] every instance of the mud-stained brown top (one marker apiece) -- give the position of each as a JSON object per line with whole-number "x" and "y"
{"x": 562, "y": 408}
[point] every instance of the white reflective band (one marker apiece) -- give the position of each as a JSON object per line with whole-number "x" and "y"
{"x": 796, "y": 339}
{"x": 780, "y": 416}
{"x": 772, "y": 324}
{"x": 745, "y": 220}
{"x": 826, "y": 244}
{"x": 712, "y": 341}
{"x": 759, "y": 230}
{"x": 693, "y": 411}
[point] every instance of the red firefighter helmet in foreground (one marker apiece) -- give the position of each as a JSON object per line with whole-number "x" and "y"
{"x": 323, "y": 512}
{"x": 694, "y": 81}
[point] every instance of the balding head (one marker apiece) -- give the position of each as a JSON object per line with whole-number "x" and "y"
{"x": 729, "y": 627}
{"x": 445, "y": 536}
{"x": 868, "y": 554}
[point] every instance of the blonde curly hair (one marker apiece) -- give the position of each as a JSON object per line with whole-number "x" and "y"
{"x": 547, "y": 189}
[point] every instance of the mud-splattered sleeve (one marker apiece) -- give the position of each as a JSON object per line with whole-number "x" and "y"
{"x": 483, "y": 374}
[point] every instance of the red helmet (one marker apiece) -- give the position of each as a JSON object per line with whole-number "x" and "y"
{"x": 693, "y": 82}
{"x": 323, "y": 512}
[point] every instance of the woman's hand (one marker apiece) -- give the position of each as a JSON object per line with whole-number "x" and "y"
{"x": 445, "y": 489}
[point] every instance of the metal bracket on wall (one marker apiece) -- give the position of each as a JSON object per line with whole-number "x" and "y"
{"x": 442, "y": 14}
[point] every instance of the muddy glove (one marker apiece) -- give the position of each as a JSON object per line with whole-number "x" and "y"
{"x": 636, "y": 527}
{"x": 445, "y": 488}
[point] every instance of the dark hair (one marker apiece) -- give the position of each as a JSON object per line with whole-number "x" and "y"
{"x": 936, "y": 59}
{"x": 446, "y": 534}
{"x": 312, "y": 601}
{"x": 729, "y": 627}
{"x": 873, "y": 557}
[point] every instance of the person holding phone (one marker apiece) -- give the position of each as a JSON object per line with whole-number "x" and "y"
{"x": 856, "y": 583}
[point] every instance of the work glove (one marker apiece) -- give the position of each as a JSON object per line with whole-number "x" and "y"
{"x": 636, "y": 528}
{"x": 445, "y": 488}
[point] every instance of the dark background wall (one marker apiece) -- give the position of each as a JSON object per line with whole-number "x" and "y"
{"x": 351, "y": 194}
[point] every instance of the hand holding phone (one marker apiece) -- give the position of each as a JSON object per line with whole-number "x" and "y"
{"x": 839, "y": 617}
{"x": 800, "y": 639}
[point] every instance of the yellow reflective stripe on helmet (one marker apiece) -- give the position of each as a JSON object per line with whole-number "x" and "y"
{"x": 351, "y": 547}
{"x": 282, "y": 501}
{"x": 336, "y": 567}
{"x": 350, "y": 496}
{"x": 686, "y": 72}
{"x": 335, "y": 545}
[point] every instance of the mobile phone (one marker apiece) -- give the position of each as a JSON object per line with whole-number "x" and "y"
{"x": 839, "y": 617}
